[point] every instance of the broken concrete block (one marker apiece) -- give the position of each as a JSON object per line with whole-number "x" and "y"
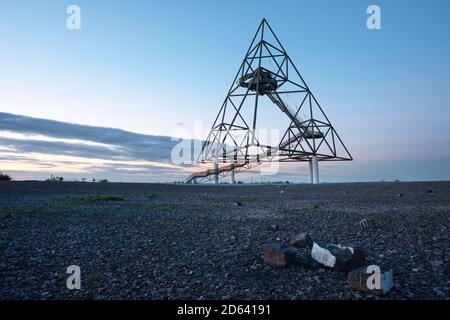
{"x": 278, "y": 254}
{"x": 273, "y": 227}
{"x": 338, "y": 257}
{"x": 301, "y": 240}
{"x": 373, "y": 279}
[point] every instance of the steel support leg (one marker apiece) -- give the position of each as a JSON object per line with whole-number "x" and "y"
{"x": 216, "y": 172}
{"x": 311, "y": 172}
{"x": 315, "y": 165}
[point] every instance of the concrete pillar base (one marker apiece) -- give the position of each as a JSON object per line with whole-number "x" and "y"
{"x": 315, "y": 165}
{"x": 216, "y": 174}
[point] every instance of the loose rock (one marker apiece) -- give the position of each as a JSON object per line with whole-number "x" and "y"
{"x": 338, "y": 257}
{"x": 301, "y": 240}
{"x": 273, "y": 227}
{"x": 364, "y": 223}
{"x": 364, "y": 279}
{"x": 278, "y": 254}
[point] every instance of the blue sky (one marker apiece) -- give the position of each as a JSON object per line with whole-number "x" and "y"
{"x": 155, "y": 67}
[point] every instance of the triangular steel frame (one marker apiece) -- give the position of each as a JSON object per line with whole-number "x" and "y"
{"x": 305, "y": 137}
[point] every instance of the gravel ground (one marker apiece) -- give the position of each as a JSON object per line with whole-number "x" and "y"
{"x": 197, "y": 242}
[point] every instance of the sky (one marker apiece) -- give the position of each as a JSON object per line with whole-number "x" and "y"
{"x": 151, "y": 70}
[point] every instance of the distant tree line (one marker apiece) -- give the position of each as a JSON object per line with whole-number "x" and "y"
{"x": 61, "y": 179}
{"x": 5, "y": 177}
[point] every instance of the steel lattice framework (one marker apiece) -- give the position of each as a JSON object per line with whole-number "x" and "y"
{"x": 268, "y": 73}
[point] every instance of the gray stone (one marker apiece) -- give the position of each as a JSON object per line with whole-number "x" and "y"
{"x": 273, "y": 227}
{"x": 301, "y": 240}
{"x": 440, "y": 293}
{"x": 316, "y": 279}
{"x": 436, "y": 264}
{"x": 278, "y": 254}
{"x": 364, "y": 223}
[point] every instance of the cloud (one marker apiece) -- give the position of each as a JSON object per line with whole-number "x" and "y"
{"x": 43, "y": 144}
{"x": 117, "y": 143}
{"x": 127, "y": 144}
{"x": 4, "y": 84}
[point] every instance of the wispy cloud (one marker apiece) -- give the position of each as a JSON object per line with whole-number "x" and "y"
{"x": 4, "y": 84}
{"x": 40, "y": 145}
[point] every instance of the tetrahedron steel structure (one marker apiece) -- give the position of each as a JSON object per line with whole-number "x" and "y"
{"x": 268, "y": 80}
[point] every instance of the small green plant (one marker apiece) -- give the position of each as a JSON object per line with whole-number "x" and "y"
{"x": 103, "y": 197}
{"x": 250, "y": 199}
{"x": 6, "y": 237}
{"x": 23, "y": 248}
{"x": 5, "y": 177}
{"x": 194, "y": 209}
{"x": 3, "y": 245}
{"x": 316, "y": 206}
{"x": 157, "y": 207}
{"x": 8, "y": 212}
{"x": 57, "y": 229}
{"x": 92, "y": 277}
{"x": 63, "y": 202}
